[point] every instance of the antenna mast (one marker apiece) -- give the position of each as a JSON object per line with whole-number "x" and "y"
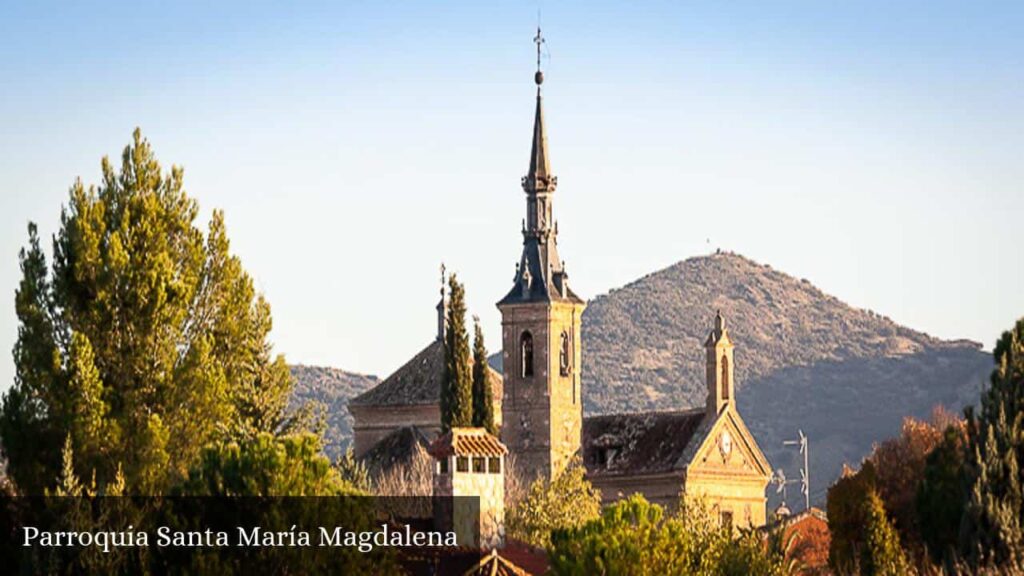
{"x": 805, "y": 473}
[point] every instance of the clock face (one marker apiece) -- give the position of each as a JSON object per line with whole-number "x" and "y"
{"x": 725, "y": 443}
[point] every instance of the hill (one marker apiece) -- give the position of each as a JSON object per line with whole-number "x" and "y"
{"x": 333, "y": 388}
{"x": 804, "y": 359}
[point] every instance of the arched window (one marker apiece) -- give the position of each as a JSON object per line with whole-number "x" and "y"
{"x": 526, "y": 355}
{"x": 564, "y": 356}
{"x": 725, "y": 377}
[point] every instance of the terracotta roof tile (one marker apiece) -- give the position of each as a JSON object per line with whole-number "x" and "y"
{"x": 467, "y": 442}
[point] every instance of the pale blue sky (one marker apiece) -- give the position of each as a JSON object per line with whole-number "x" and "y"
{"x": 874, "y": 149}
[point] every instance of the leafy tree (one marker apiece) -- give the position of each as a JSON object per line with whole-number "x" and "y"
{"x": 992, "y": 531}
{"x": 566, "y": 501}
{"x": 636, "y": 537}
{"x": 457, "y": 392}
{"x": 846, "y": 516}
{"x": 144, "y": 341}
{"x": 882, "y": 554}
{"x": 353, "y": 470}
{"x": 266, "y": 465}
{"x": 483, "y": 394}
{"x": 940, "y": 496}
{"x": 899, "y": 465}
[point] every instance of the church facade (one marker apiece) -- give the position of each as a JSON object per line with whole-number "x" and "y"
{"x": 707, "y": 451}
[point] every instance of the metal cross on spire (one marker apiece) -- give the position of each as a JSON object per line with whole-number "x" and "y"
{"x": 539, "y": 76}
{"x": 539, "y": 41}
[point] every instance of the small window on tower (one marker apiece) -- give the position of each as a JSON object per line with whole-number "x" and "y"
{"x": 526, "y": 355}
{"x": 565, "y": 355}
{"x": 725, "y": 377}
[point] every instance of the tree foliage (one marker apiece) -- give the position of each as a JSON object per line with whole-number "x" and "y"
{"x": 483, "y": 394}
{"x": 144, "y": 341}
{"x": 881, "y": 554}
{"x": 636, "y": 537}
{"x": 266, "y": 465}
{"x": 457, "y": 392}
{"x": 566, "y": 501}
{"x": 941, "y": 497}
{"x": 846, "y": 516}
{"x": 992, "y": 530}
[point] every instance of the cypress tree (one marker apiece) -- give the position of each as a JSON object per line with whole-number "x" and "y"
{"x": 457, "y": 390}
{"x": 483, "y": 395}
{"x": 991, "y": 531}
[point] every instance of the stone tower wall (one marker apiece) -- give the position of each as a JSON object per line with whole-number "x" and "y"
{"x": 542, "y": 415}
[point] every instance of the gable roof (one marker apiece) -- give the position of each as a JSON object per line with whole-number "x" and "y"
{"x": 642, "y": 443}
{"x": 400, "y": 447}
{"x": 495, "y": 565}
{"x": 418, "y": 381}
{"x": 707, "y": 432}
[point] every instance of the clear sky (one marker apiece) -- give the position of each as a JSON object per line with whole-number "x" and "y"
{"x": 874, "y": 149}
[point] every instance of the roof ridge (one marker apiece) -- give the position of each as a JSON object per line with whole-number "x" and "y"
{"x": 678, "y": 412}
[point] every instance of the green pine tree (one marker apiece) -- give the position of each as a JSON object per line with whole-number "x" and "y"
{"x": 457, "y": 390}
{"x": 992, "y": 530}
{"x": 144, "y": 341}
{"x": 483, "y": 394}
{"x": 881, "y": 554}
{"x": 68, "y": 484}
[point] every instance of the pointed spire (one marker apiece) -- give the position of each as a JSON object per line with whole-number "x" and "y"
{"x": 540, "y": 275}
{"x": 539, "y": 178}
{"x": 540, "y": 166}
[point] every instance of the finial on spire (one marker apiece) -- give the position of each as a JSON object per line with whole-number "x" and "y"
{"x": 539, "y": 41}
{"x": 442, "y": 278}
{"x": 719, "y": 321}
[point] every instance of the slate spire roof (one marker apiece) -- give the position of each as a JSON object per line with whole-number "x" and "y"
{"x": 539, "y": 175}
{"x": 540, "y": 274}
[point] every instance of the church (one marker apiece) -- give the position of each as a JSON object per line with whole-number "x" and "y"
{"x": 706, "y": 451}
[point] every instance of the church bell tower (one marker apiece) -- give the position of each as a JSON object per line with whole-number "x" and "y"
{"x": 540, "y": 319}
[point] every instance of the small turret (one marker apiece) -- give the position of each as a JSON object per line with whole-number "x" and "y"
{"x": 720, "y": 382}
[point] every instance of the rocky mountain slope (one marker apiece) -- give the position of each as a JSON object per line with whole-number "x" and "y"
{"x": 804, "y": 359}
{"x": 333, "y": 388}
